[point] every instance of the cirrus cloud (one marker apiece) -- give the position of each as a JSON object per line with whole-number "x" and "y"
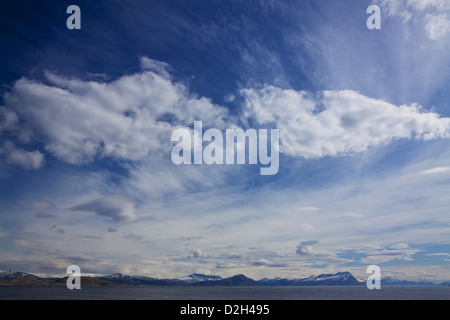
{"x": 437, "y": 24}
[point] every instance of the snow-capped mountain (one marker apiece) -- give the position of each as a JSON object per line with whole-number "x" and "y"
{"x": 389, "y": 281}
{"x": 14, "y": 275}
{"x": 337, "y": 279}
{"x": 204, "y": 277}
{"x": 119, "y": 278}
{"x": 21, "y": 278}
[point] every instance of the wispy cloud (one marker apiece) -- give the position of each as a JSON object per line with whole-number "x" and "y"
{"x": 377, "y": 255}
{"x": 40, "y": 207}
{"x": 433, "y": 13}
{"x": 118, "y": 208}
{"x": 435, "y": 170}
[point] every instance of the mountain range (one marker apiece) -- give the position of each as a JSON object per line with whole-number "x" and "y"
{"x": 196, "y": 279}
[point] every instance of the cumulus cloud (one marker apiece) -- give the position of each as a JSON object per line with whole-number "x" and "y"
{"x": 133, "y": 117}
{"x": 8, "y": 119}
{"x": 337, "y": 122}
{"x": 20, "y": 157}
{"x": 80, "y": 121}
{"x": 118, "y": 208}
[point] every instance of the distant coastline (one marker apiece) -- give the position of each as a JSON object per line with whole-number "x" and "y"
{"x": 117, "y": 279}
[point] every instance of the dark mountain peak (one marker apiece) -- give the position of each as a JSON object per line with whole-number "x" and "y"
{"x": 237, "y": 280}
{"x": 116, "y": 275}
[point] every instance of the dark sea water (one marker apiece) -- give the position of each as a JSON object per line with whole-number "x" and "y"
{"x": 221, "y": 293}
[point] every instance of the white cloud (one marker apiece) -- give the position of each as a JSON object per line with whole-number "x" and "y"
{"x": 377, "y": 255}
{"x": 80, "y": 121}
{"x": 8, "y": 119}
{"x": 19, "y": 157}
{"x": 443, "y": 254}
{"x": 160, "y": 67}
{"x": 399, "y": 7}
{"x": 426, "y": 4}
{"x": 331, "y": 123}
{"x": 338, "y": 122}
{"x": 399, "y": 246}
{"x": 435, "y": 170}
{"x": 437, "y": 26}
{"x": 133, "y": 117}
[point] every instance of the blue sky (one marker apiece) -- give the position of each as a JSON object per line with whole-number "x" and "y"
{"x": 86, "y": 118}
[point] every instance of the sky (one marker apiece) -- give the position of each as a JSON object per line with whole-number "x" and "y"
{"x": 86, "y": 118}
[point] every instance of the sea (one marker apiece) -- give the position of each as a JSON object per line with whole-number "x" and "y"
{"x": 188, "y": 293}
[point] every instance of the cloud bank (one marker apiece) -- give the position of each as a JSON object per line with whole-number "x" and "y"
{"x": 132, "y": 117}
{"x": 338, "y": 122}
{"x": 80, "y": 121}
